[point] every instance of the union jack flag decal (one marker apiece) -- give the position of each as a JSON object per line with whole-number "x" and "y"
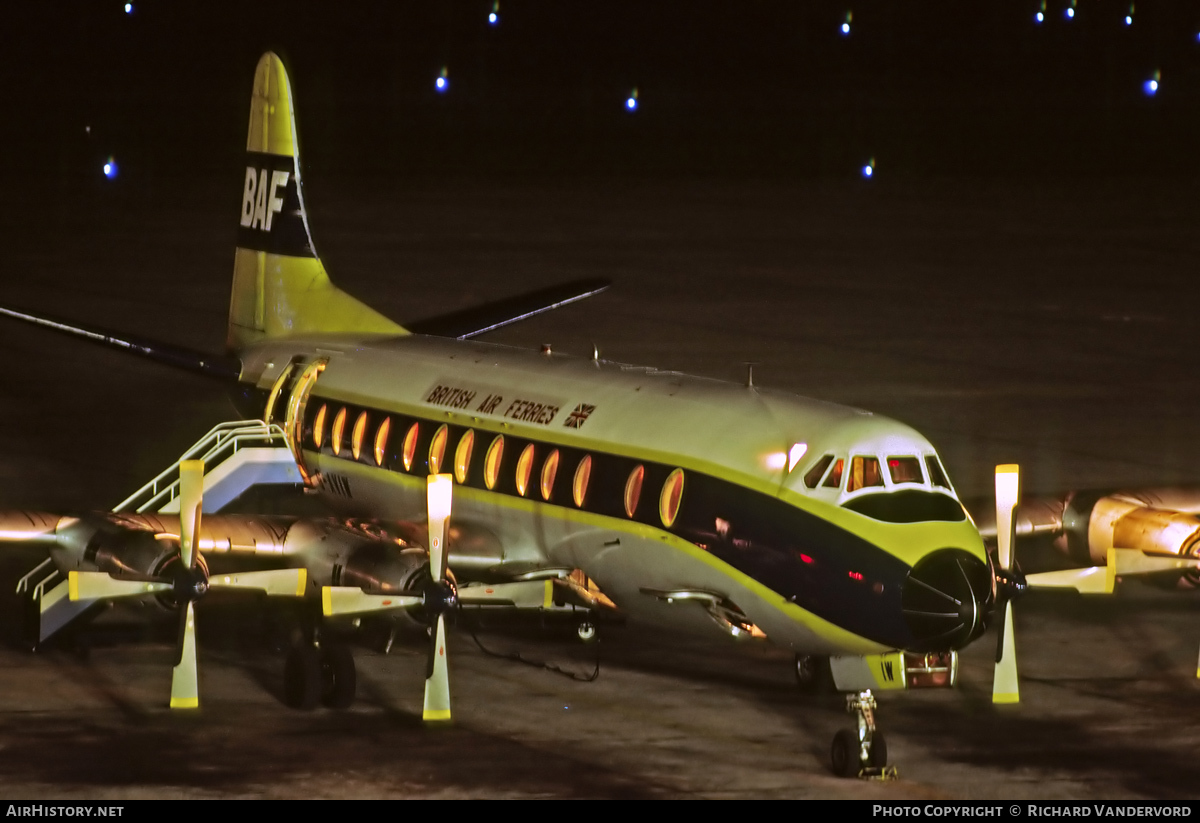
{"x": 576, "y": 418}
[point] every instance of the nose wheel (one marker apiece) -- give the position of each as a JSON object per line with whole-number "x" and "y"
{"x": 863, "y": 752}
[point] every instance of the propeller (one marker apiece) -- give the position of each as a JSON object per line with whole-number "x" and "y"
{"x": 1005, "y": 688}
{"x": 437, "y": 677}
{"x": 1089, "y": 580}
{"x": 188, "y": 581}
{"x": 438, "y": 598}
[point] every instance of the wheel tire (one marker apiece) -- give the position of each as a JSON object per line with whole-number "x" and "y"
{"x": 844, "y": 754}
{"x": 586, "y": 631}
{"x": 813, "y": 675}
{"x": 338, "y": 678}
{"x": 878, "y": 758}
{"x": 302, "y": 678}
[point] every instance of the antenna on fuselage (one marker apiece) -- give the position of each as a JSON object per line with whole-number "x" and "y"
{"x": 750, "y": 374}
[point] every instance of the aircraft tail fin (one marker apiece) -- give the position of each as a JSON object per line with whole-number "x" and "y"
{"x": 280, "y": 286}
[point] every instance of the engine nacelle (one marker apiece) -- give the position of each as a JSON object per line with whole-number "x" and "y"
{"x": 1156, "y": 522}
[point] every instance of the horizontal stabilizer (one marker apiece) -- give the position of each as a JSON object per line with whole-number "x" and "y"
{"x": 217, "y": 366}
{"x": 487, "y": 317}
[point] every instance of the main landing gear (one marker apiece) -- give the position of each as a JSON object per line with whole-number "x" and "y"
{"x": 322, "y": 674}
{"x": 862, "y": 753}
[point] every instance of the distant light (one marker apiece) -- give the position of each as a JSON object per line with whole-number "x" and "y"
{"x": 1128, "y": 20}
{"x": 846, "y": 23}
{"x": 845, "y": 28}
{"x": 631, "y": 102}
{"x": 129, "y": 8}
{"x": 1039, "y": 17}
{"x": 493, "y": 18}
{"x": 440, "y": 83}
{"x": 110, "y": 168}
{"x": 443, "y": 81}
{"x": 1150, "y": 87}
{"x": 868, "y": 171}
{"x": 1070, "y": 13}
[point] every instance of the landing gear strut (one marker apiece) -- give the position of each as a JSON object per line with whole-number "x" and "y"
{"x": 862, "y": 754}
{"x": 324, "y": 674}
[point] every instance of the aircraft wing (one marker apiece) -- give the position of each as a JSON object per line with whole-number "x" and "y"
{"x": 477, "y": 320}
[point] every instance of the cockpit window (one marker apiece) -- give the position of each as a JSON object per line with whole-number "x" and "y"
{"x": 937, "y": 475}
{"x": 834, "y": 480}
{"x": 905, "y": 470}
{"x": 864, "y": 473}
{"x": 813, "y": 476}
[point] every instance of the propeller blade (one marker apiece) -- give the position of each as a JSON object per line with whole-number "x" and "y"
{"x": 1008, "y": 494}
{"x": 185, "y": 692}
{"x": 437, "y": 681}
{"x": 275, "y": 582}
{"x": 191, "y": 492}
{"x": 100, "y": 585}
{"x": 1005, "y": 688}
{"x": 1135, "y": 561}
{"x": 439, "y": 493}
{"x": 1090, "y": 580}
{"x": 439, "y": 496}
{"x": 342, "y": 600}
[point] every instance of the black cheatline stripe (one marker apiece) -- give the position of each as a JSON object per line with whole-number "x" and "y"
{"x": 768, "y": 538}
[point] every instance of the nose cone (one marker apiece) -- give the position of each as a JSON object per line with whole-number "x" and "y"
{"x": 946, "y": 600}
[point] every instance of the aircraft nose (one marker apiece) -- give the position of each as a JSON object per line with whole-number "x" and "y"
{"x": 946, "y": 600}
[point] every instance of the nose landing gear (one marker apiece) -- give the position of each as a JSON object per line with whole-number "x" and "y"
{"x": 863, "y": 753}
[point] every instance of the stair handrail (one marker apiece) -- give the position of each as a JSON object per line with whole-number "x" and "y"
{"x": 228, "y": 436}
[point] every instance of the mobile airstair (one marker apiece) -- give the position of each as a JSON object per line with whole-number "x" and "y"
{"x": 237, "y": 455}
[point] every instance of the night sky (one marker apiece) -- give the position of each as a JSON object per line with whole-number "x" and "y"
{"x": 760, "y": 88}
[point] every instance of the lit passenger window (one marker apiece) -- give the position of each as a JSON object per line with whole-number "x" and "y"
{"x": 381, "y": 437}
{"x": 834, "y": 480}
{"x": 437, "y": 449}
{"x": 633, "y": 490}
{"x": 524, "y": 469}
{"x": 319, "y": 426}
{"x": 672, "y": 494}
{"x": 462, "y": 456}
{"x": 937, "y": 476}
{"x": 582, "y": 474}
{"x": 864, "y": 473}
{"x": 491, "y": 462}
{"x": 905, "y": 470}
{"x": 356, "y": 437}
{"x": 410, "y": 446}
{"x": 339, "y": 428}
{"x": 813, "y": 476}
{"x": 549, "y": 472}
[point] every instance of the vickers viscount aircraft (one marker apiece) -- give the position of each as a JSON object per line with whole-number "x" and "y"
{"x": 577, "y": 484}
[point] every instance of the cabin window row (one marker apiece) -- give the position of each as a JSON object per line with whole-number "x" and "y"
{"x": 606, "y": 484}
